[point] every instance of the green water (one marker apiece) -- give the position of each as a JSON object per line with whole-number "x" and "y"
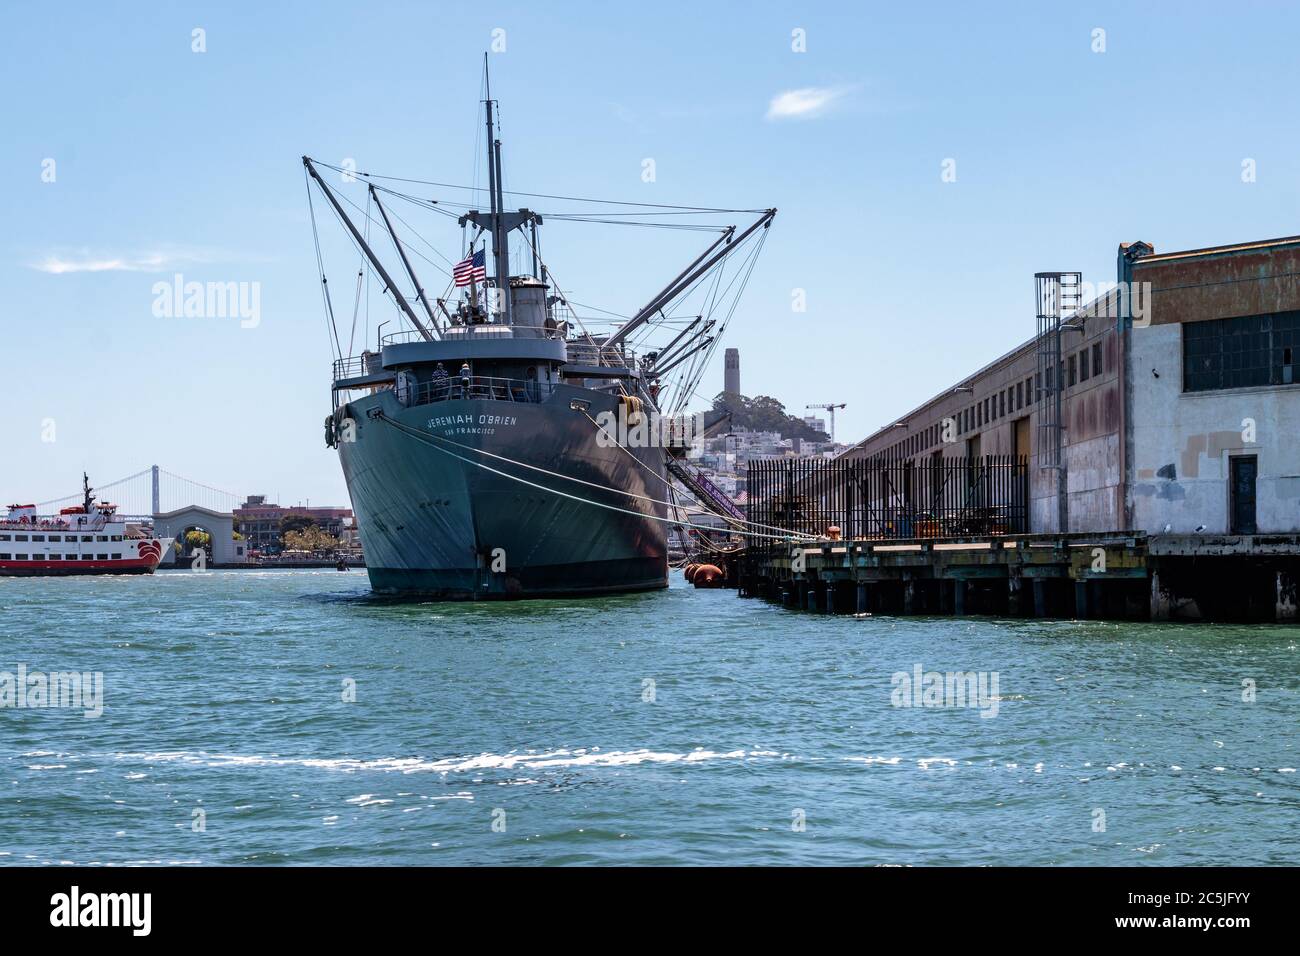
{"x": 683, "y": 727}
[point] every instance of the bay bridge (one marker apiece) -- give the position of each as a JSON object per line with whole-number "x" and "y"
{"x": 152, "y": 492}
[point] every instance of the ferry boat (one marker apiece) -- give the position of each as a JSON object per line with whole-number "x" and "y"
{"x": 90, "y": 538}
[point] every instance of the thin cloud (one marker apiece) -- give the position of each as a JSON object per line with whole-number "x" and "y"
{"x": 804, "y": 103}
{"x": 59, "y": 263}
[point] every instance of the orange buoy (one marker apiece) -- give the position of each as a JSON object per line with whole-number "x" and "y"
{"x": 690, "y": 571}
{"x": 707, "y": 576}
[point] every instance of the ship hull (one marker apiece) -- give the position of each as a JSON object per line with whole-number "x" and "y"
{"x": 56, "y": 572}
{"x": 446, "y": 508}
{"x": 145, "y": 561}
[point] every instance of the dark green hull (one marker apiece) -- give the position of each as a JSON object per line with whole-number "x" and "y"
{"x": 438, "y": 518}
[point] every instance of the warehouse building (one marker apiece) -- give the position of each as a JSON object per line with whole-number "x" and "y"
{"x": 1165, "y": 403}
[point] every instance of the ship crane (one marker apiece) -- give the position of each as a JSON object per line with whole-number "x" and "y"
{"x": 830, "y": 408}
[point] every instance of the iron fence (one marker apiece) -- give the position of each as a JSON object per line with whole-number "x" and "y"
{"x": 867, "y": 498}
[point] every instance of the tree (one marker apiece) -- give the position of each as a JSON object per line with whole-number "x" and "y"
{"x": 296, "y": 522}
{"x": 311, "y": 539}
{"x": 196, "y": 540}
{"x": 765, "y": 414}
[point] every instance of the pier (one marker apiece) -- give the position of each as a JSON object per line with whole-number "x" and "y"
{"x": 1134, "y": 459}
{"x": 1081, "y": 576}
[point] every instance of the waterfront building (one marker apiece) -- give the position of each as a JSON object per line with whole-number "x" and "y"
{"x": 260, "y": 521}
{"x": 1178, "y": 400}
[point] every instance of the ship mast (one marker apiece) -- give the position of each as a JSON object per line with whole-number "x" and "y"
{"x": 500, "y": 242}
{"x": 498, "y": 222}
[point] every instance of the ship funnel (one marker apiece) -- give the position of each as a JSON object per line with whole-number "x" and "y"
{"x": 528, "y": 306}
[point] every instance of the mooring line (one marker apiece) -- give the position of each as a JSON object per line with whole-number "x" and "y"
{"x": 563, "y": 494}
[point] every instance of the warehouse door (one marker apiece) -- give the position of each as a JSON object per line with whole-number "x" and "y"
{"x": 1244, "y": 469}
{"x": 1020, "y": 438}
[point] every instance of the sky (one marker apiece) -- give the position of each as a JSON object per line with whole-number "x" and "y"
{"x": 925, "y": 159}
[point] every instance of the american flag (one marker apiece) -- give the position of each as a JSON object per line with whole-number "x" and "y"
{"x": 473, "y": 268}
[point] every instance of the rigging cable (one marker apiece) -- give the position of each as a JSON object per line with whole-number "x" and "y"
{"x": 672, "y": 489}
{"x": 746, "y": 270}
{"x": 356, "y": 305}
{"x": 320, "y": 264}
{"x": 512, "y": 192}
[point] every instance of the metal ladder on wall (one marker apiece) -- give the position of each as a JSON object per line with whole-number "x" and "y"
{"x": 1057, "y": 295}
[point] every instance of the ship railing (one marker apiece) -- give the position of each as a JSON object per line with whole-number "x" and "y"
{"x": 475, "y": 333}
{"x": 481, "y": 387}
{"x": 52, "y": 524}
{"x": 355, "y": 366}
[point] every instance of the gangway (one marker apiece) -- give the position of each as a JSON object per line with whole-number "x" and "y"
{"x": 706, "y": 492}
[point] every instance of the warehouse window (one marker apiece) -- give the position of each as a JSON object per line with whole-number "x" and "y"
{"x": 1240, "y": 352}
{"x": 1083, "y": 366}
{"x": 1073, "y": 374}
{"x": 1096, "y": 358}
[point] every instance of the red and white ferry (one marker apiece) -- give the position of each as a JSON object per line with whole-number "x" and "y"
{"x": 90, "y": 538}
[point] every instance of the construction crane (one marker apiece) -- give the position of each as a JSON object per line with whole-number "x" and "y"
{"x": 830, "y": 408}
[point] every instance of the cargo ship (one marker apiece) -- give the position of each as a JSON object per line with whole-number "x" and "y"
{"x": 473, "y": 442}
{"x": 90, "y": 538}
